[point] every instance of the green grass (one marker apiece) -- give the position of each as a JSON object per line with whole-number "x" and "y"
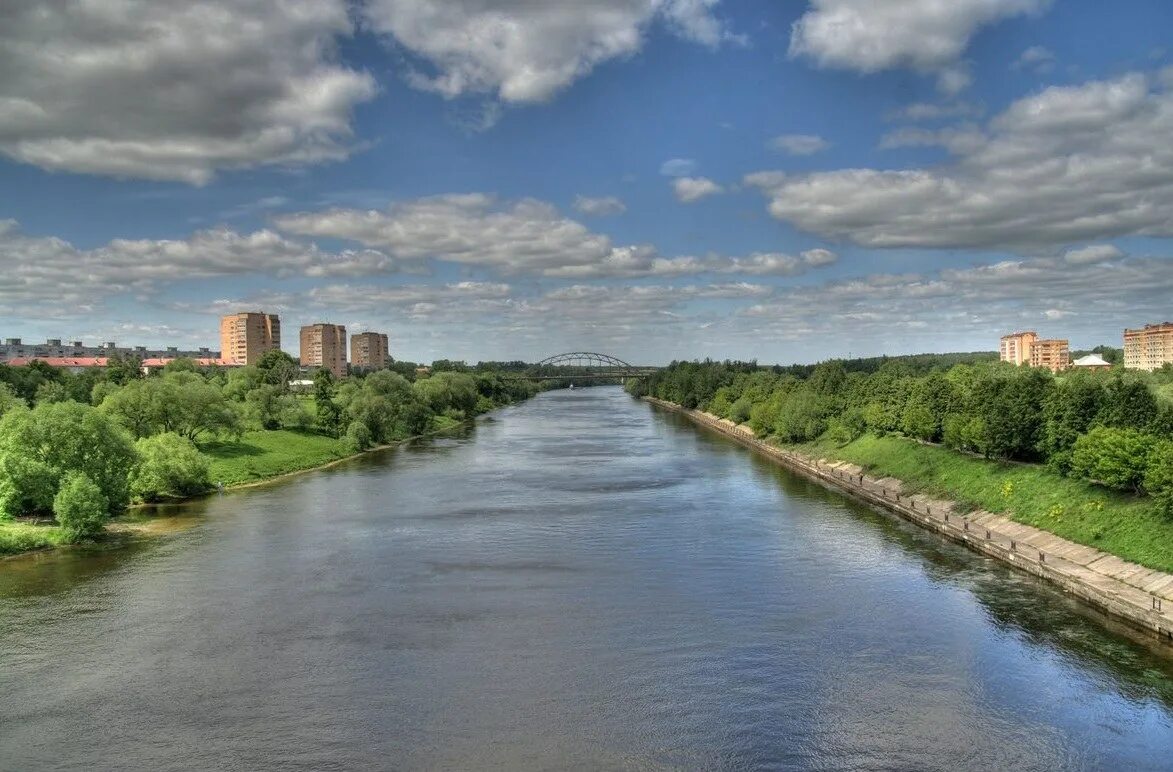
{"x": 18, "y": 536}
{"x": 1124, "y": 525}
{"x": 260, "y": 455}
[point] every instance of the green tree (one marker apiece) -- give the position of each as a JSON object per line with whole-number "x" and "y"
{"x": 1070, "y": 410}
{"x": 1158, "y": 480}
{"x": 1128, "y": 404}
{"x": 329, "y": 413}
{"x": 278, "y": 369}
{"x": 1117, "y": 458}
{"x": 8, "y": 399}
{"x": 80, "y": 507}
{"x": 168, "y": 466}
{"x": 121, "y": 370}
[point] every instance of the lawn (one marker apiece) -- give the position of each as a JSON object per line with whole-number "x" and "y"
{"x": 1124, "y": 525}
{"x": 260, "y": 455}
{"x": 17, "y": 536}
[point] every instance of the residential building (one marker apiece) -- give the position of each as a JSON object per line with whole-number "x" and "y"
{"x": 368, "y": 350}
{"x": 1015, "y": 348}
{"x": 1052, "y": 354}
{"x": 54, "y": 348}
{"x": 248, "y": 336}
{"x": 1148, "y": 348}
{"x": 1091, "y": 362}
{"x": 324, "y": 345}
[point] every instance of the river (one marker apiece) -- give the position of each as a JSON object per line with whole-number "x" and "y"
{"x": 579, "y": 582}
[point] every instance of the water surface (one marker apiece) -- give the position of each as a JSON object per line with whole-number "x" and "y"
{"x": 580, "y": 582}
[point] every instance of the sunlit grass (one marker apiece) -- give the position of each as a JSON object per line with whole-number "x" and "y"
{"x": 1124, "y": 525}
{"x": 260, "y": 455}
{"x": 19, "y": 536}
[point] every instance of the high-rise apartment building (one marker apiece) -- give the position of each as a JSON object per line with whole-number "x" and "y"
{"x": 1015, "y": 348}
{"x": 1053, "y": 354}
{"x": 1149, "y": 347}
{"x": 246, "y": 337}
{"x": 369, "y": 350}
{"x": 324, "y": 345}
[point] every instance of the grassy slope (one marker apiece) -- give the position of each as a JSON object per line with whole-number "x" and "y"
{"x": 21, "y": 537}
{"x": 260, "y": 455}
{"x": 1120, "y": 524}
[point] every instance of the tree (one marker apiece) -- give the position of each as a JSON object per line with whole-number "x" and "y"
{"x": 8, "y": 398}
{"x": 329, "y": 413}
{"x": 277, "y": 368}
{"x": 40, "y": 447}
{"x": 1158, "y": 480}
{"x": 1128, "y": 404}
{"x": 1071, "y": 409}
{"x": 80, "y": 507}
{"x": 1117, "y": 458}
{"x": 168, "y": 466}
{"x": 121, "y": 370}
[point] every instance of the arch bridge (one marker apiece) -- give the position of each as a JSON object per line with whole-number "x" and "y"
{"x": 584, "y": 365}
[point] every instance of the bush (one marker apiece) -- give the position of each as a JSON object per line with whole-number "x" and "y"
{"x": 168, "y": 466}
{"x": 80, "y": 507}
{"x": 1158, "y": 480}
{"x": 1117, "y": 458}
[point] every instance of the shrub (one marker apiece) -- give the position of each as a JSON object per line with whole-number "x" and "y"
{"x": 1117, "y": 458}
{"x": 1158, "y": 480}
{"x": 168, "y": 466}
{"x": 80, "y": 507}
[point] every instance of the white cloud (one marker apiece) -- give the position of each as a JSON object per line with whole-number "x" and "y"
{"x": 951, "y": 81}
{"x": 1036, "y": 58}
{"x": 1093, "y": 253}
{"x": 799, "y": 144}
{"x": 43, "y": 270}
{"x": 689, "y": 190}
{"x": 928, "y": 111}
{"x": 524, "y": 51}
{"x": 605, "y": 206}
{"x": 174, "y": 90}
{"x": 1069, "y": 164}
{"x": 872, "y": 35}
{"x": 678, "y": 167}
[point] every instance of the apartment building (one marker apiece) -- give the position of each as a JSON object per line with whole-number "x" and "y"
{"x": 13, "y": 349}
{"x": 368, "y": 350}
{"x": 324, "y": 345}
{"x": 1052, "y": 354}
{"x": 1016, "y": 347}
{"x": 1149, "y": 347}
{"x": 246, "y": 337}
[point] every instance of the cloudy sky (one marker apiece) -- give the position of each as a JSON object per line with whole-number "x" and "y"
{"x": 784, "y": 180}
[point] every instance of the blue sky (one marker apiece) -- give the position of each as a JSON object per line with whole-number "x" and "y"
{"x": 656, "y": 179}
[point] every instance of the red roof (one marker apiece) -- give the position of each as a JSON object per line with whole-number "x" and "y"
{"x": 60, "y": 361}
{"x": 204, "y": 362}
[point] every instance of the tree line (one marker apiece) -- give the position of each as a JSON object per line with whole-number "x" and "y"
{"x": 82, "y": 446}
{"x": 1113, "y": 428}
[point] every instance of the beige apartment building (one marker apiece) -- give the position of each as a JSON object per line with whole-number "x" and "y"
{"x": 369, "y": 350}
{"x": 1015, "y": 348}
{"x": 1052, "y": 354}
{"x": 247, "y": 336}
{"x": 1149, "y": 347}
{"x": 1026, "y": 348}
{"x": 324, "y": 345}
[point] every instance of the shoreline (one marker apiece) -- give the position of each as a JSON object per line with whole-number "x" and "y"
{"x": 1138, "y": 596}
{"x": 141, "y": 529}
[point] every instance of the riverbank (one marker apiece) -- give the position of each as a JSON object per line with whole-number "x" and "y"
{"x": 258, "y": 458}
{"x": 1141, "y": 596}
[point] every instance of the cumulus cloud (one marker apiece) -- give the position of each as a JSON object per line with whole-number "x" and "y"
{"x": 605, "y": 206}
{"x": 46, "y": 270}
{"x": 678, "y": 167}
{"x": 1035, "y": 58}
{"x": 522, "y": 51}
{"x": 872, "y": 35}
{"x": 174, "y": 90}
{"x": 799, "y": 144}
{"x": 1066, "y": 165}
{"x": 689, "y": 190}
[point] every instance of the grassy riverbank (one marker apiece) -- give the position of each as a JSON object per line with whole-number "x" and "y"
{"x": 19, "y": 536}
{"x": 262, "y": 455}
{"x": 1124, "y": 525}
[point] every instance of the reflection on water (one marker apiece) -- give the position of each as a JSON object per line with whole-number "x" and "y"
{"x": 581, "y": 582}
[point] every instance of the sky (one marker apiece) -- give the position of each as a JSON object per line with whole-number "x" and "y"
{"x": 780, "y": 180}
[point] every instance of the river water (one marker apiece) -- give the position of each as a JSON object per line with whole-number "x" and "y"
{"x": 579, "y": 582}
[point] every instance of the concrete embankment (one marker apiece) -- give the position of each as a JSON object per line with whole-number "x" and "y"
{"x": 1127, "y": 591}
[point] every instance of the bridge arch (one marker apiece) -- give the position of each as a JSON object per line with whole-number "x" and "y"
{"x": 586, "y": 359}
